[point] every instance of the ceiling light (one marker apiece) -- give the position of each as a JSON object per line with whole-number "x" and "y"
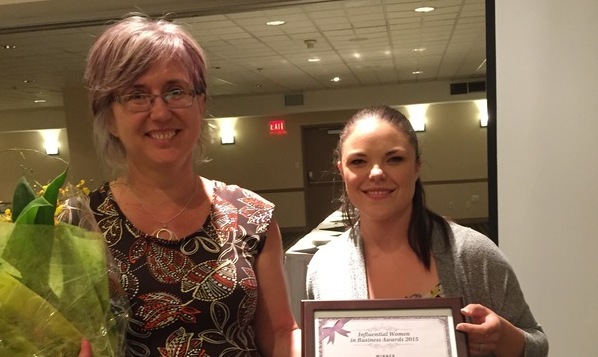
{"x": 424, "y": 9}
{"x": 40, "y": 101}
{"x": 419, "y": 49}
{"x": 275, "y": 23}
{"x": 335, "y": 79}
{"x": 358, "y": 39}
{"x": 417, "y": 72}
{"x": 313, "y": 59}
{"x": 9, "y": 47}
{"x": 28, "y": 81}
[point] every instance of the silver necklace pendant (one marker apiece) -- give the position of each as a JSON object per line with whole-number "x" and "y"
{"x": 166, "y": 234}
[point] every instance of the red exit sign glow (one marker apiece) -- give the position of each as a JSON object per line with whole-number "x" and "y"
{"x": 277, "y": 127}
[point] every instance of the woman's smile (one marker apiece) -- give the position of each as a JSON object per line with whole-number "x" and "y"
{"x": 162, "y": 135}
{"x": 378, "y": 193}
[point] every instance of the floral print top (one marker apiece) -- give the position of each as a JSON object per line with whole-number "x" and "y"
{"x": 434, "y": 293}
{"x": 196, "y": 296}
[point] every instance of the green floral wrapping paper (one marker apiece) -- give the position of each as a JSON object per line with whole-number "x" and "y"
{"x": 58, "y": 283}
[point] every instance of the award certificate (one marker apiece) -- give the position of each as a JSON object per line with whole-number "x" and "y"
{"x": 383, "y": 328}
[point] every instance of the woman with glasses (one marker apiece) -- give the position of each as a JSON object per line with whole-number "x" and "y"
{"x": 200, "y": 260}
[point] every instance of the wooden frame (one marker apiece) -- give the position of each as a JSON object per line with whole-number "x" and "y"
{"x": 370, "y": 328}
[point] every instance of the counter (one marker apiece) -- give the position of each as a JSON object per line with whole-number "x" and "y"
{"x": 298, "y": 256}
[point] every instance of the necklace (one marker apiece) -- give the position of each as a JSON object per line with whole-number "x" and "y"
{"x": 163, "y": 232}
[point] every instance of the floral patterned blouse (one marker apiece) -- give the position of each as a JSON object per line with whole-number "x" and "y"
{"x": 434, "y": 293}
{"x": 197, "y": 296}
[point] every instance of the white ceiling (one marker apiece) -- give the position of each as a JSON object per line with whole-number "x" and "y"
{"x": 364, "y": 42}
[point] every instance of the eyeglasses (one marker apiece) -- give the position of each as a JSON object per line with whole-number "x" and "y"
{"x": 143, "y": 102}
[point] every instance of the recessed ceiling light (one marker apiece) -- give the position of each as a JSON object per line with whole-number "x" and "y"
{"x": 28, "y": 81}
{"x": 424, "y": 9}
{"x": 275, "y": 23}
{"x": 335, "y": 79}
{"x": 419, "y": 49}
{"x": 358, "y": 39}
{"x": 417, "y": 72}
{"x": 40, "y": 101}
{"x": 9, "y": 47}
{"x": 313, "y": 59}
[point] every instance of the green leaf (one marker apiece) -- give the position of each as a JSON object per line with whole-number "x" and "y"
{"x": 22, "y": 196}
{"x": 74, "y": 286}
{"x": 28, "y": 249}
{"x": 30, "y": 212}
{"x": 45, "y": 214}
{"x": 85, "y": 282}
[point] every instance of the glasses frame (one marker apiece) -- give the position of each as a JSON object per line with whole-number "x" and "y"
{"x": 122, "y": 99}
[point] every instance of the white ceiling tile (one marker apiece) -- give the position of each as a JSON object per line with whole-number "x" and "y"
{"x": 383, "y": 32}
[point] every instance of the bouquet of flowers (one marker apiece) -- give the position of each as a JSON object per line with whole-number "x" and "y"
{"x": 58, "y": 283}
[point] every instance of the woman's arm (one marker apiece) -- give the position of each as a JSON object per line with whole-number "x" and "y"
{"x": 485, "y": 277}
{"x": 276, "y": 329}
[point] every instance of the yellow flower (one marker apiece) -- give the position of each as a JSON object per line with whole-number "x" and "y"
{"x": 42, "y": 190}
{"x": 6, "y": 216}
{"x": 59, "y": 209}
{"x": 81, "y": 186}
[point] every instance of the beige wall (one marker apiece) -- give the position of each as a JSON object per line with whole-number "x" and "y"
{"x": 453, "y": 147}
{"x": 262, "y": 161}
{"x": 454, "y": 155}
{"x": 453, "y": 152}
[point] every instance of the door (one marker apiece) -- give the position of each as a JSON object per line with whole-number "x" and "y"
{"x": 323, "y": 184}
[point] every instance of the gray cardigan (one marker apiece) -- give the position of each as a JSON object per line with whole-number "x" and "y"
{"x": 472, "y": 268}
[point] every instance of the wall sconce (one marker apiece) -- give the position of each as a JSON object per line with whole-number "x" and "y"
{"x": 482, "y": 105}
{"x": 50, "y": 137}
{"x": 51, "y": 148}
{"x": 227, "y": 130}
{"x": 417, "y": 116}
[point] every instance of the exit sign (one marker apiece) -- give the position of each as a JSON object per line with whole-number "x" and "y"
{"x": 277, "y": 127}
